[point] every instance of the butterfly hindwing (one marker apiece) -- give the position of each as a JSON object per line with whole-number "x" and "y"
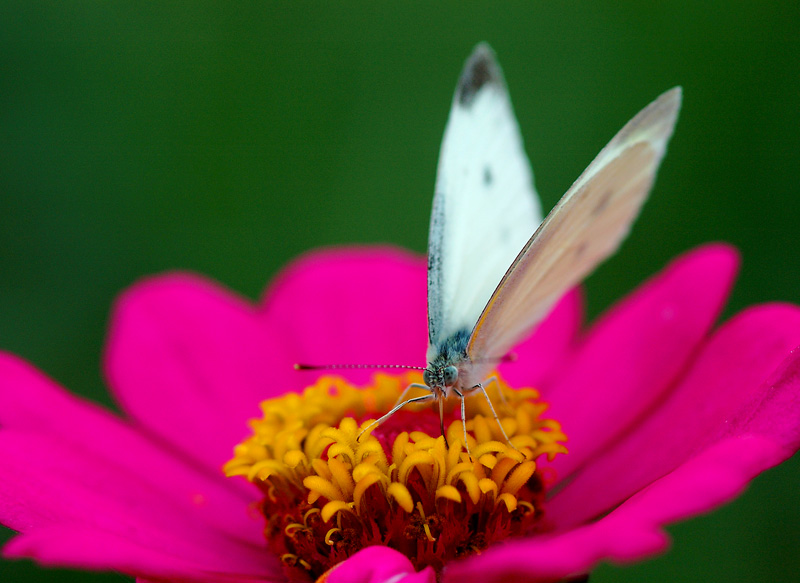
{"x": 585, "y": 227}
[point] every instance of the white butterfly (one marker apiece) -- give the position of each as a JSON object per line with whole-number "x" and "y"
{"x": 489, "y": 281}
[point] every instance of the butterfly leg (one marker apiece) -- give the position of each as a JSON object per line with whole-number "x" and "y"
{"x": 441, "y": 421}
{"x": 394, "y": 410}
{"x": 493, "y": 379}
{"x": 463, "y": 420}
{"x": 494, "y": 414}
{"x": 408, "y": 388}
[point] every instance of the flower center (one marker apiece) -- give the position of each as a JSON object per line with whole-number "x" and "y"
{"x": 330, "y": 491}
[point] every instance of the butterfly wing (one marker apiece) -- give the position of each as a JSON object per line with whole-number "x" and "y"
{"x": 485, "y": 206}
{"x": 586, "y": 226}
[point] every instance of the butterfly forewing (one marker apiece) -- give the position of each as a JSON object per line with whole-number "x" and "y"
{"x": 485, "y": 206}
{"x": 585, "y": 227}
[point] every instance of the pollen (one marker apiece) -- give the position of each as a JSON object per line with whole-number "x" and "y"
{"x": 330, "y": 488}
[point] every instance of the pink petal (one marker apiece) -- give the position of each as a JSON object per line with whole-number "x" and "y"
{"x": 774, "y": 411}
{"x": 634, "y": 353}
{"x": 538, "y": 357}
{"x": 349, "y": 306}
{"x": 49, "y": 485}
{"x": 378, "y": 564}
{"x": 90, "y": 550}
{"x": 633, "y": 530}
{"x": 190, "y": 362}
{"x": 31, "y": 402}
{"x": 729, "y": 383}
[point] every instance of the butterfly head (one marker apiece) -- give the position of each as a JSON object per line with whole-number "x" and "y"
{"x": 442, "y": 377}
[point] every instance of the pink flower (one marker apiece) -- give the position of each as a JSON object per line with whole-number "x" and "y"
{"x": 666, "y": 418}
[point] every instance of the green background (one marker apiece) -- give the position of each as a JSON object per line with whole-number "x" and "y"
{"x": 228, "y": 138}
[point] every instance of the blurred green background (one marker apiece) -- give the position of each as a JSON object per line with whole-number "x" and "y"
{"x": 228, "y": 138}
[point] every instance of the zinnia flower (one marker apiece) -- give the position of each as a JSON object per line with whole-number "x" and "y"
{"x": 664, "y": 417}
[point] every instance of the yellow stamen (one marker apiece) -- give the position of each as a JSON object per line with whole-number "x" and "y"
{"x": 292, "y": 559}
{"x": 325, "y": 481}
{"x": 509, "y": 500}
{"x": 322, "y": 488}
{"x": 521, "y": 474}
{"x": 449, "y": 493}
{"x": 330, "y": 533}
{"x": 428, "y": 534}
{"x": 331, "y": 508}
{"x": 526, "y": 505}
{"x": 488, "y": 485}
{"x": 309, "y": 513}
{"x": 401, "y": 495}
{"x": 290, "y": 529}
{"x": 489, "y": 446}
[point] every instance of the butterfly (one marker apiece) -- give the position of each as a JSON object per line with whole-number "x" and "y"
{"x": 495, "y": 268}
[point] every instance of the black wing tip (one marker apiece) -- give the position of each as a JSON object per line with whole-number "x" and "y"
{"x": 480, "y": 70}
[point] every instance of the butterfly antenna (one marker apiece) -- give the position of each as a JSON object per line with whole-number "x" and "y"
{"x": 301, "y": 366}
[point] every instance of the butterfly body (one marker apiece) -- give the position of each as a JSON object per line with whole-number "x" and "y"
{"x": 449, "y": 366}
